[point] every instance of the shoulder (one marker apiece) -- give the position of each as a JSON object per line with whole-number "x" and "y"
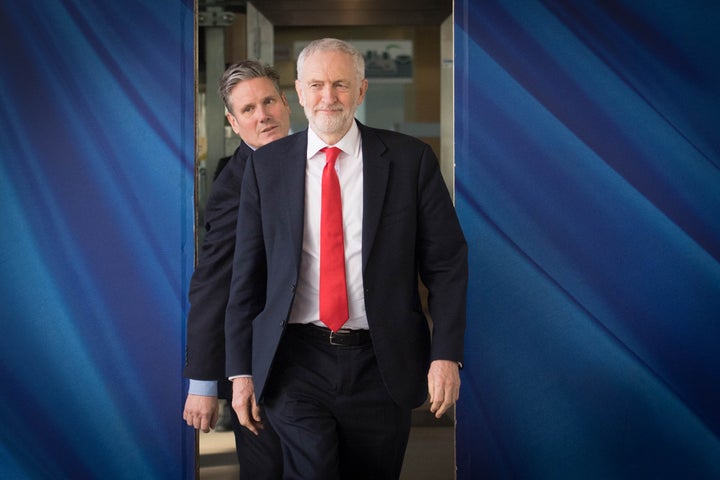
{"x": 396, "y": 141}
{"x": 230, "y": 170}
{"x": 291, "y": 143}
{"x": 240, "y": 155}
{"x": 396, "y": 148}
{"x": 280, "y": 158}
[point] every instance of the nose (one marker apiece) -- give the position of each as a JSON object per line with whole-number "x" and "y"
{"x": 328, "y": 94}
{"x": 262, "y": 112}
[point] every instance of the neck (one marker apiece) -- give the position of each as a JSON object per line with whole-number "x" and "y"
{"x": 332, "y": 138}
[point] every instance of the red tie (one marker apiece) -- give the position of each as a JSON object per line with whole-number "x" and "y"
{"x": 333, "y": 291}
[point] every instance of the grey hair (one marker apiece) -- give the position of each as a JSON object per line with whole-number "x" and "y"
{"x": 332, "y": 44}
{"x": 241, "y": 71}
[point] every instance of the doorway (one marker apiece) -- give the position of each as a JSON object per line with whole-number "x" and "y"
{"x": 419, "y": 104}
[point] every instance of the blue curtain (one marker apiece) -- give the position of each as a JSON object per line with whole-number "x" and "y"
{"x": 588, "y": 185}
{"x": 96, "y": 202}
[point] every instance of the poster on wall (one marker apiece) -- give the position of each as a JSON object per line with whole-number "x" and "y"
{"x": 385, "y": 60}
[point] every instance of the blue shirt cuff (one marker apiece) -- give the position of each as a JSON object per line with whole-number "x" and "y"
{"x": 206, "y": 388}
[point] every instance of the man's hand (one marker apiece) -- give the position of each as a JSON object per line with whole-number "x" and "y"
{"x": 443, "y": 385}
{"x": 243, "y": 402}
{"x": 201, "y": 412}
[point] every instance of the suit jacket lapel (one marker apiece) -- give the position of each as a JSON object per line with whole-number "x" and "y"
{"x": 375, "y": 174}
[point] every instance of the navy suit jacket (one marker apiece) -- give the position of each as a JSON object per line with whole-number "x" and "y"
{"x": 409, "y": 228}
{"x": 210, "y": 283}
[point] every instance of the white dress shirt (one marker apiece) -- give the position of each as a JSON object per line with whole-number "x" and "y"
{"x": 349, "y": 168}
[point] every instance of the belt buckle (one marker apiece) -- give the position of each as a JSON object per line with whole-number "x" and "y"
{"x": 332, "y": 337}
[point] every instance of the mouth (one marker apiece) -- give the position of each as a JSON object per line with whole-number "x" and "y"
{"x": 328, "y": 110}
{"x": 268, "y": 129}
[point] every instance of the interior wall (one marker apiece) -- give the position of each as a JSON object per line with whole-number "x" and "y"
{"x": 419, "y": 101}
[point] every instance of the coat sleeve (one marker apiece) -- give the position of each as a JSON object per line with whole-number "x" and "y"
{"x": 442, "y": 261}
{"x": 210, "y": 282}
{"x": 249, "y": 278}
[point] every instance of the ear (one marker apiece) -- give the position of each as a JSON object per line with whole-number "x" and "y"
{"x": 363, "y": 91}
{"x": 299, "y": 90}
{"x": 285, "y": 101}
{"x": 233, "y": 122}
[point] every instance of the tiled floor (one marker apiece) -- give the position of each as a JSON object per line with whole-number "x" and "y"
{"x": 429, "y": 456}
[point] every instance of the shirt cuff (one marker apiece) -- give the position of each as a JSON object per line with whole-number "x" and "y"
{"x": 206, "y": 388}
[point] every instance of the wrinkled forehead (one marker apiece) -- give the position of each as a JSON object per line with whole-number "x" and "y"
{"x": 329, "y": 65}
{"x": 253, "y": 90}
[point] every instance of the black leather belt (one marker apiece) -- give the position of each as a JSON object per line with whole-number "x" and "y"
{"x": 343, "y": 337}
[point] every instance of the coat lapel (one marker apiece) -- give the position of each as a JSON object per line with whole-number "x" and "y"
{"x": 375, "y": 173}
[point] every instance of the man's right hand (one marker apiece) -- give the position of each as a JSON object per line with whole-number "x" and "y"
{"x": 243, "y": 402}
{"x": 201, "y": 412}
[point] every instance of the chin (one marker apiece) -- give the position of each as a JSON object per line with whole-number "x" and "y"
{"x": 329, "y": 125}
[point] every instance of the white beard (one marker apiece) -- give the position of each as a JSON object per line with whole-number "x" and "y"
{"x": 329, "y": 124}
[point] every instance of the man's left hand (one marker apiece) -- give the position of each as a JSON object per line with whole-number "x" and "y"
{"x": 443, "y": 386}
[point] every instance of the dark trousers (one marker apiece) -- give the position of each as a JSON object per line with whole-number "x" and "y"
{"x": 332, "y": 412}
{"x": 260, "y": 457}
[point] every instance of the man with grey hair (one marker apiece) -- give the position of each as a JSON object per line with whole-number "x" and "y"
{"x": 259, "y": 113}
{"x": 324, "y": 325}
